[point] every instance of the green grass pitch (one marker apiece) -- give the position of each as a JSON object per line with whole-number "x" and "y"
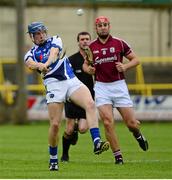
{"x": 24, "y": 154}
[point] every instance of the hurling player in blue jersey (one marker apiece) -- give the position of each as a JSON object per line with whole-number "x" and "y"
{"x": 61, "y": 84}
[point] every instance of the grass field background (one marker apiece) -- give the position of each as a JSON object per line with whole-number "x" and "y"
{"x": 24, "y": 154}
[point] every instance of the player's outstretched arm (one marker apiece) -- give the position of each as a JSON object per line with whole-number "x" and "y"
{"x": 36, "y": 66}
{"x": 54, "y": 53}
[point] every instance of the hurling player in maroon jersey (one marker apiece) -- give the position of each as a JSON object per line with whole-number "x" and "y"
{"x": 110, "y": 87}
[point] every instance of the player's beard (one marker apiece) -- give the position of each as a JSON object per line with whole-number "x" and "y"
{"x": 104, "y": 36}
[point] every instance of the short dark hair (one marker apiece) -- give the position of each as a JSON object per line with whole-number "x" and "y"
{"x": 83, "y": 33}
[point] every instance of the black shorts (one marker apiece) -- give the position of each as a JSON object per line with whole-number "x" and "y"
{"x": 73, "y": 111}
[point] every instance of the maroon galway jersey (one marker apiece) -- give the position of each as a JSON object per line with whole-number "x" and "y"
{"x": 106, "y": 55}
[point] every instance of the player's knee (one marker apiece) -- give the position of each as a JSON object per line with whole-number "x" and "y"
{"x": 83, "y": 130}
{"x": 55, "y": 126}
{"x": 90, "y": 105}
{"x": 108, "y": 124}
{"x": 69, "y": 131}
{"x": 69, "y": 127}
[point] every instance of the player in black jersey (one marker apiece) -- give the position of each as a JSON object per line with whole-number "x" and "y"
{"x": 75, "y": 115}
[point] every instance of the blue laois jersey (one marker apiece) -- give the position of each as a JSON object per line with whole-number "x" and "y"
{"x": 61, "y": 69}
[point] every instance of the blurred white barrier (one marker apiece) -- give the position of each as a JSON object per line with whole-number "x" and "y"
{"x": 154, "y": 108}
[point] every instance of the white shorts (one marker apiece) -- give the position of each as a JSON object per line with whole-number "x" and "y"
{"x": 115, "y": 93}
{"x": 60, "y": 91}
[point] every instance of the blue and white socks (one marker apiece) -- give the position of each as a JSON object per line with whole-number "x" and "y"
{"x": 95, "y": 134}
{"x": 53, "y": 154}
